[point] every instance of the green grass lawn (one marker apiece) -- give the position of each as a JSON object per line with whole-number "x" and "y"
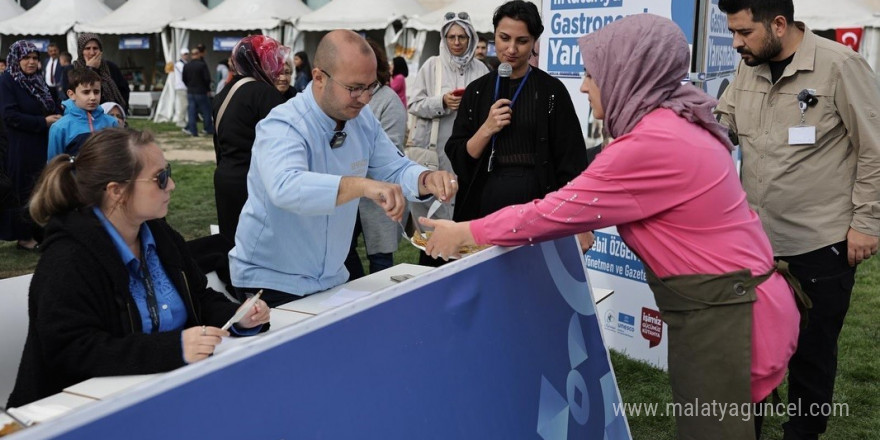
{"x": 192, "y": 210}
{"x": 155, "y": 127}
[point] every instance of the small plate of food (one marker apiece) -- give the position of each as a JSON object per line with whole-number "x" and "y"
{"x": 419, "y": 241}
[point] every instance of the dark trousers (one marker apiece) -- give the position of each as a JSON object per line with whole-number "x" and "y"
{"x": 273, "y": 298}
{"x": 828, "y": 280}
{"x": 201, "y": 104}
{"x": 230, "y": 195}
{"x": 378, "y": 261}
{"x": 426, "y": 260}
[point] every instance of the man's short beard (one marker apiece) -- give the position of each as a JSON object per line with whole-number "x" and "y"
{"x": 771, "y": 48}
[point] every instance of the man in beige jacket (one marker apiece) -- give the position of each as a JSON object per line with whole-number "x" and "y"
{"x": 806, "y": 112}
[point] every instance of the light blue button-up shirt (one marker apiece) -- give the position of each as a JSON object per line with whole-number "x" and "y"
{"x": 291, "y": 236}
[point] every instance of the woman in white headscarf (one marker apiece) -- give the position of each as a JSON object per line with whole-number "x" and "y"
{"x": 436, "y": 95}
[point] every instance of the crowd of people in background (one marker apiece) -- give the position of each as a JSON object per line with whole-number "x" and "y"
{"x": 476, "y": 141}
{"x": 91, "y": 93}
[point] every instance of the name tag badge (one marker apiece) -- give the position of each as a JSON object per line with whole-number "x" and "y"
{"x": 802, "y": 135}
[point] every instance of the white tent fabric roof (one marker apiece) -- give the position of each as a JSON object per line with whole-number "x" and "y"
{"x": 480, "y": 11}
{"x": 144, "y": 16}
{"x": 240, "y": 15}
{"x": 54, "y": 17}
{"x": 9, "y": 9}
{"x": 823, "y": 14}
{"x": 358, "y": 14}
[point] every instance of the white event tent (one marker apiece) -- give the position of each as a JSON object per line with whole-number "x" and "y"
{"x": 266, "y": 16}
{"x": 480, "y": 12}
{"x": 428, "y": 25}
{"x": 230, "y": 18}
{"x": 9, "y": 9}
{"x": 376, "y": 17}
{"x": 139, "y": 17}
{"x": 55, "y": 17}
{"x": 820, "y": 15}
{"x": 825, "y": 15}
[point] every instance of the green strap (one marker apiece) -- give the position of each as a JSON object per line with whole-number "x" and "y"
{"x": 800, "y": 297}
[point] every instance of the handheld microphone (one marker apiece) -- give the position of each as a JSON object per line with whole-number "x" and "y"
{"x": 504, "y": 71}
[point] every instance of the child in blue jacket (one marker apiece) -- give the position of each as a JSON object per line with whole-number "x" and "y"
{"x": 82, "y": 114}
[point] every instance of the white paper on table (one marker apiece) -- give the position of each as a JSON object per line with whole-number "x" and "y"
{"x": 102, "y": 387}
{"x": 36, "y": 413}
{"x": 343, "y": 296}
{"x": 229, "y": 343}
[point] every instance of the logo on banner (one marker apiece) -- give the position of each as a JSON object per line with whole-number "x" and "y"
{"x": 620, "y": 323}
{"x": 610, "y": 319}
{"x": 851, "y": 37}
{"x": 557, "y": 408}
{"x": 652, "y": 326}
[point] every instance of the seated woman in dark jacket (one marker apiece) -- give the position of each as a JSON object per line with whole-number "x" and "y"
{"x": 115, "y": 291}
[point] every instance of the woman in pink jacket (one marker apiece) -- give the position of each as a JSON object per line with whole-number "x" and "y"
{"x": 668, "y": 182}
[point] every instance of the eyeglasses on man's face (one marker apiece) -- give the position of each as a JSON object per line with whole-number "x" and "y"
{"x": 161, "y": 178}
{"x": 461, "y": 15}
{"x": 356, "y": 91}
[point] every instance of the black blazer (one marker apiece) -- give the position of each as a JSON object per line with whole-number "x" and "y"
{"x": 59, "y": 71}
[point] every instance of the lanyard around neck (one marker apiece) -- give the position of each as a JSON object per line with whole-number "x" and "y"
{"x": 152, "y": 303}
{"x": 518, "y": 89}
{"x": 512, "y": 101}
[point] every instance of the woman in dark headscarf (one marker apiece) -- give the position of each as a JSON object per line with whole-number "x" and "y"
{"x": 258, "y": 61}
{"x": 114, "y": 87}
{"x": 668, "y": 182}
{"x": 28, "y": 109}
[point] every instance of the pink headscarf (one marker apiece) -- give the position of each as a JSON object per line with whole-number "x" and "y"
{"x": 639, "y": 63}
{"x": 259, "y": 57}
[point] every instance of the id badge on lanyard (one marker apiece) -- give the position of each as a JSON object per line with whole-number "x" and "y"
{"x": 803, "y": 134}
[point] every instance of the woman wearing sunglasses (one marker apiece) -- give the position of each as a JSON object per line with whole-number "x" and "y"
{"x": 115, "y": 291}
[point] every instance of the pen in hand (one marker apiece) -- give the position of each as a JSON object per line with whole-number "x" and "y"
{"x": 250, "y": 303}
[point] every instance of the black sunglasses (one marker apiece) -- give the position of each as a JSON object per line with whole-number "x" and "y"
{"x": 461, "y": 15}
{"x": 161, "y": 178}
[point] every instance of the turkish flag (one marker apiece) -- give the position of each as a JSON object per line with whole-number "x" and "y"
{"x": 849, "y": 37}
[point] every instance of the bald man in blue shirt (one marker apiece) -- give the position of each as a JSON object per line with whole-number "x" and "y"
{"x": 313, "y": 158}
